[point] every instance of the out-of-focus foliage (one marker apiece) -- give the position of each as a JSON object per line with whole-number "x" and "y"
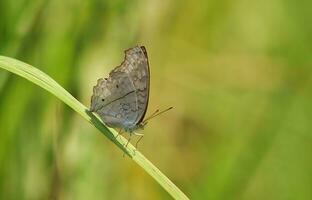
{"x": 237, "y": 72}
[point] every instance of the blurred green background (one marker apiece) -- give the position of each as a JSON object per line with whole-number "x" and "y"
{"x": 237, "y": 72}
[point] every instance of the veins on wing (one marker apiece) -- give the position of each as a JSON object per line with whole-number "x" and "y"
{"x": 117, "y": 99}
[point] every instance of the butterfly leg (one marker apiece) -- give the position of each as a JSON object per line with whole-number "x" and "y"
{"x": 141, "y": 136}
{"x": 120, "y": 132}
{"x": 127, "y": 145}
{"x": 128, "y": 141}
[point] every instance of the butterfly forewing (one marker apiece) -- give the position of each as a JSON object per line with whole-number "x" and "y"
{"x": 140, "y": 75}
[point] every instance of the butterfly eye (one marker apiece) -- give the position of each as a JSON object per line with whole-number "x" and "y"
{"x": 117, "y": 86}
{"x": 103, "y": 99}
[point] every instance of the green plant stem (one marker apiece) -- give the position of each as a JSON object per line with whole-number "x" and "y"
{"x": 43, "y": 80}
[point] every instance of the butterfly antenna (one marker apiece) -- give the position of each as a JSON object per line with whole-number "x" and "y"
{"x": 156, "y": 113}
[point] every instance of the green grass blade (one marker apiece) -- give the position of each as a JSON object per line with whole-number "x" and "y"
{"x": 43, "y": 80}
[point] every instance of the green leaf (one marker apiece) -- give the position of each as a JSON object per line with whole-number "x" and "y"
{"x": 43, "y": 80}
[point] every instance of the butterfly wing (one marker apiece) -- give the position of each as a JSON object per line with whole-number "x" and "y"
{"x": 139, "y": 73}
{"x": 121, "y": 99}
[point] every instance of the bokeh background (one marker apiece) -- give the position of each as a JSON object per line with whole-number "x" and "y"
{"x": 238, "y": 74}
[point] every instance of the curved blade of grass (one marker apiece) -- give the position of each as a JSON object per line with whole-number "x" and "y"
{"x": 43, "y": 80}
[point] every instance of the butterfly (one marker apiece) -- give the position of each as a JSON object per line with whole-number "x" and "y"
{"x": 121, "y": 100}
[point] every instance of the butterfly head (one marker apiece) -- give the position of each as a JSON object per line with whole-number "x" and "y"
{"x": 142, "y": 125}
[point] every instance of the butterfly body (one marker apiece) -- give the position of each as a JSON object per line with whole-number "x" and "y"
{"x": 121, "y": 100}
